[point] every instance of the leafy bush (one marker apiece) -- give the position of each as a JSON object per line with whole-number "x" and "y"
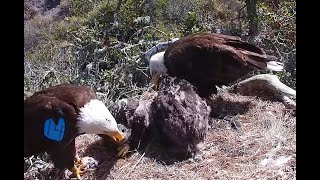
{"x": 70, "y": 45}
{"x": 278, "y": 32}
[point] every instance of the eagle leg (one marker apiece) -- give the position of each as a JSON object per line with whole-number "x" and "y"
{"x": 78, "y": 160}
{"x": 78, "y": 171}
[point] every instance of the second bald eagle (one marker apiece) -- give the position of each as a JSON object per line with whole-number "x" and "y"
{"x": 207, "y": 60}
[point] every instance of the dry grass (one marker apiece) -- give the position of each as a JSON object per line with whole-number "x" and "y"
{"x": 263, "y": 148}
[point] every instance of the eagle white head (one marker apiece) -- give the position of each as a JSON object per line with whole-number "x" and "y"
{"x": 157, "y": 67}
{"x": 95, "y": 118}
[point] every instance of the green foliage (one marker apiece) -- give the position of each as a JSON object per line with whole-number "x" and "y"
{"x": 280, "y": 35}
{"x": 81, "y": 8}
{"x": 160, "y": 7}
{"x": 191, "y": 23}
{"x": 100, "y": 15}
{"x": 67, "y": 46}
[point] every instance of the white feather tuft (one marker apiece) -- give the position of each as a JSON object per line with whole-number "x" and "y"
{"x": 156, "y": 64}
{"x": 95, "y": 118}
{"x": 274, "y": 66}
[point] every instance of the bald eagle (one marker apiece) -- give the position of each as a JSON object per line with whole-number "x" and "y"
{"x": 55, "y": 116}
{"x": 208, "y": 60}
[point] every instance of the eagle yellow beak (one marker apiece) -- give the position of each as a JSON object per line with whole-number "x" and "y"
{"x": 155, "y": 82}
{"x": 116, "y": 136}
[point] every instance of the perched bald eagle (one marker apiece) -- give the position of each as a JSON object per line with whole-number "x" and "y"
{"x": 207, "y": 60}
{"x": 55, "y": 116}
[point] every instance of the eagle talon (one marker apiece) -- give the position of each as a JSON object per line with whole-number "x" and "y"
{"x": 78, "y": 160}
{"x": 155, "y": 83}
{"x": 78, "y": 171}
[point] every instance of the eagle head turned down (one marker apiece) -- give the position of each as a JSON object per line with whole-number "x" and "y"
{"x": 95, "y": 118}
{"x": 55, "y": 116}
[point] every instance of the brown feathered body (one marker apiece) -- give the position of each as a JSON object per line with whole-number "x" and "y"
{"x": 54, "y": 102}
{"x": 176, "y": 117}
{"x": 180, "y": 117}
{"x": 209, "y": 59}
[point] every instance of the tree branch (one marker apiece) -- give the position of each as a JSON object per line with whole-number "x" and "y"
{"x": 266, "y": 84}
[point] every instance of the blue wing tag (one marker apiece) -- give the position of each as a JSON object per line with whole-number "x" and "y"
{"x": 54, "y": 131}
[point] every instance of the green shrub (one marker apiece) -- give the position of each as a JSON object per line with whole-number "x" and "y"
{"x": 59, "y": 51}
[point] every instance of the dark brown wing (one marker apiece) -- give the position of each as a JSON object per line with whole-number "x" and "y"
{"x": 241, "y": 51}
{"x": 77, "y": 96}
{"x": 214, "y": 58}
{"x": 37, "y": 110}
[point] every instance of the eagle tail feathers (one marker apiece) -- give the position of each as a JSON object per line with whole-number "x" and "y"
{"x": 275, "y": 66}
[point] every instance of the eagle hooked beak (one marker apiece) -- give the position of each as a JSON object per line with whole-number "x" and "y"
{"x": 116, "y": 135}
{"x": 155, "y": 82}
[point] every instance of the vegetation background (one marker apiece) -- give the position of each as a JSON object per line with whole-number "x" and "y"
{"x": 99, "y": 42}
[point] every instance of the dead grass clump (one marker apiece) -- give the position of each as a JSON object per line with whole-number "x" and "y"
{"x": 223, "y": 104}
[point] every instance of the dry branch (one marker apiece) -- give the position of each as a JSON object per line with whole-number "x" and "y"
{"x": 266, "y": 84}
